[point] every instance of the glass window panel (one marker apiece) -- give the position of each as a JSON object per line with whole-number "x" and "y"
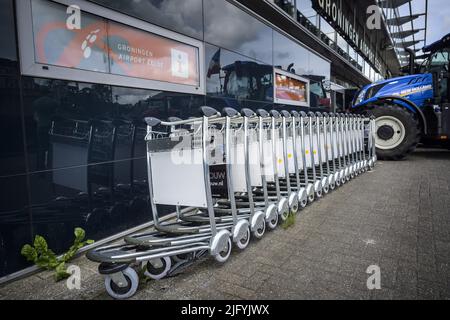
{"x": 8, "y": 47}
{"x": 305, "y": 8}
{"x": 289, "y": 54}
{"x": 183, "y": 16}
{"x": 231, "y": 28}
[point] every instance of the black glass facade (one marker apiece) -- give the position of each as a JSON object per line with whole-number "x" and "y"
{"x": 73, "y": 153}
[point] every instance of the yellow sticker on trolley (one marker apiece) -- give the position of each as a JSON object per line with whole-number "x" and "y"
{"x": 290, "y": 155}
{"x": 307, "y": 151}
{"x": 280, "y": 161}
{"x": 314, "y": 152}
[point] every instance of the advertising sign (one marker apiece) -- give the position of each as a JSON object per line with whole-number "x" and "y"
{"x": 141, "y": 54}
{"x": 290, "y": 89}
{"x": 109, "y": 47}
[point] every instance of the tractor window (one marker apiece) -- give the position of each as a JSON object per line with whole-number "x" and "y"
{"x": 439, "y": 60}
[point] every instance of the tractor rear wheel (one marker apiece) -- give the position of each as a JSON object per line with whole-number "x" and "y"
{"x": 397, "y": 132}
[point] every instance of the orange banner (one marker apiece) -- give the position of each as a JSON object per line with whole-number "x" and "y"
{"x": 141, "y": 54}
{"x": 107, "y": 46}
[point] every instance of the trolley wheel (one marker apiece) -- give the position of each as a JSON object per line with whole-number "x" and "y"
{"x": 260, "y": 230}
{"x": 273, "y": 223}
{"x": 223, "y": 255}
{"x": 245, "y": 240}
{"x": 118, "y": 292}
{"x": 338, "y": 183}
{"x": 326, "y": 189}
{"x": 157, "y": 269}
{"x": 284, "y": 215}
{"x": 332, "y": 186}
{"x": 319, "y": 194}
{"x": 303, "y": 203}
{"x": 295, "y": 208}
{"x": 311, "y": 198}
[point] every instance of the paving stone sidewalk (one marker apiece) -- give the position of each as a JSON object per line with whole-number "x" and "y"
{"x": 397, "y": 217}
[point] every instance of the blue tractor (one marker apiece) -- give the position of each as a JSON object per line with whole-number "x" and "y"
{"x": 413, "y": 108}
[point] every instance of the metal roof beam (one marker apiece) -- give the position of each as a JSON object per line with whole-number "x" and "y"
{"x": 393, "y": 4}
{"x": 407, "y": 44}
{"x": 406, "y": 33}
{"x": 403, "y": 20}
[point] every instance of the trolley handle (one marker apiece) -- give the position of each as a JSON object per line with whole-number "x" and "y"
{"x": 209, "y": 112}
{"x": 286, "y": 114}
{"x": 275, "y": 114}
{"x": 248, "y": 113}
{"x": 263, "y": 113}
{"x": 295, "y": 114}
{"x": 152, "y": 122}
{"x": 230, "y": 112}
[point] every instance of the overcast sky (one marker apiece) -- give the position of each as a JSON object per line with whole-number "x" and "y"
{"x": 438, "y": 19}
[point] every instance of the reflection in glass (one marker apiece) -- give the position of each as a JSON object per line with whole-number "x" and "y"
{"x": 12, "y": 157}
{"x": 15, "y": 226}
{"x": 184, "y": 16}
{"x": 233, "y": 29}
{"x": 8, "y": 48}
{"x": 289, "y": 55}
{"x": 236, "y": 78}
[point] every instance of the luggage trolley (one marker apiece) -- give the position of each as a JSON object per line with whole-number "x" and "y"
{"x": 295, "y": 156}
{"x": 317, "y": 138}
{"x": 373, "y": 148}
{"x": 180, "y": 184}
{"x": 269, "y": 140}
{"x": 324, "y": 152}
{"x": 353, "y": 149}
{"x": 329, "y": 151}
{"x": 284, "y": 157}
{"x": 369, "y": 137}
{"x": 249, "y": 159}
{"x": 243, "y": 175}
{"x": 304, "y": 155}
{"x": 344, "y": 148}
{"x": 362, "y": 163}
{"x": 314, "y": 186}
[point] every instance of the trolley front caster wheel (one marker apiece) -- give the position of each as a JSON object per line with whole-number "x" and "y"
{"x": 325, "y": 186}
{"x": 283, "y": 209}
{"x": 293, "y": 203}
{"x": 302, "y": 198}
{"x": 310, "y": 193}
{"x": 243, "y": 242}
{"x": 122, "y": 285}
{"x": 157, "y": 269}
{"x": 332, "y": 186}
{"x": 223, "y": 255}
{"x": 241, "y": 234}
{"x": 220, "y": 247}
{"x": 258, "y": 224}
{"x": 272, "y": 217}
